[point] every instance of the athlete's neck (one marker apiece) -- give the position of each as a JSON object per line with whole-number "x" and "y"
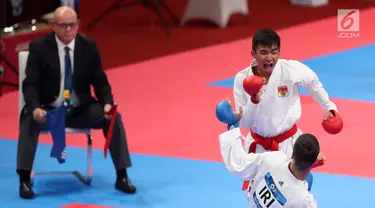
{"x": 300, "y": 175}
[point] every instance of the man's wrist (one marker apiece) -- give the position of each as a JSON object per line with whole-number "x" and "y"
{"x": 254, "y": 99}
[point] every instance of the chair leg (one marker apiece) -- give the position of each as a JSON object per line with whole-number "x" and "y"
{"x": 88, "y": 178}
{"x": 32, "y": 176}
{"x": 89, "y": 157}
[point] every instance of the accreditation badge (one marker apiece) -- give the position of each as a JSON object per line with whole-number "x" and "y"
{"x": 67, "y": 94}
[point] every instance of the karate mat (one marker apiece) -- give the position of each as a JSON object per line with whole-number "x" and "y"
{"x": 168, "y": 110}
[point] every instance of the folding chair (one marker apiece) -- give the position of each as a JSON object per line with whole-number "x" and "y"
{"x": 22, "y": 60}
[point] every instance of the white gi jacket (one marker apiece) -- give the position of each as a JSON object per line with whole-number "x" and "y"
{"x": 280, "y": 105}
{"x": 274, "y": 185}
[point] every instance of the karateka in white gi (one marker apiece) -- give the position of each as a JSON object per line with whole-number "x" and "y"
{"x": 272, "y": 113}
{"x": 278, "y": 180}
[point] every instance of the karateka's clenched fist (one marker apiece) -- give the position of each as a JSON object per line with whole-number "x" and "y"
{"x": 253, "y": 84}
{"x": 321, "y": 157}
{"x": 332, "y": 122}
{"x": 328, "y": 115}
{"x": 320, "y": 160}
{"x": 225, "y": 114}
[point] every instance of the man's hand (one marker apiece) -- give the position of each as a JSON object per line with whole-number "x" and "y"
{"x": 321, "y": 157}
{"x": 328, "y": 115}
{"x": 319, "y": 160}
{"x": 237, "y": 115}
{"x": 39, "y": 115}
{"x": 255, "y": 98}
{"x": 107, "y": 108}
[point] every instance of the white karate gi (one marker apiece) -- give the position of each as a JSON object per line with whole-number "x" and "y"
{"x": 274, "y": 185}
{"x": 276, "y": 113}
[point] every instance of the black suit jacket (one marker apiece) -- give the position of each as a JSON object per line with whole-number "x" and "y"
{"x": 42, "y": 83}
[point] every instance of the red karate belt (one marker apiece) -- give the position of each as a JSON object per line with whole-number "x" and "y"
{"x": 111, "y": 113}
{"x": 270, "y": 144}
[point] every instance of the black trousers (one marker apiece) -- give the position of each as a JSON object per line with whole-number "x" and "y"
{"x": 88, "y": 116}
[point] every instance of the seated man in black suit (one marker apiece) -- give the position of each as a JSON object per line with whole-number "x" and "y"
{"x": 61, "y": 61}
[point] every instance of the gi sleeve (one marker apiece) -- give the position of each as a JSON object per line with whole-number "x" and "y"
{"x": 240, "y": 96}
{"x": 310, "y": 81}
{"x": 237, "y": 161}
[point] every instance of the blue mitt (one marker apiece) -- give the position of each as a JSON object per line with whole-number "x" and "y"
{"x": 225, "y": 114}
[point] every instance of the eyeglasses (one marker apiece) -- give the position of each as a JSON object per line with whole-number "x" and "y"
{"x": 66, "y": 25}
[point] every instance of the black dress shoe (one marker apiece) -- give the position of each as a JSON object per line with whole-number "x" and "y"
{"x": 123, "y": 184}
{"x": 26, "y": 190}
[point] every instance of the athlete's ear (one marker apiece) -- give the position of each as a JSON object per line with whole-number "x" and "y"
{"x": 252, "y": 53}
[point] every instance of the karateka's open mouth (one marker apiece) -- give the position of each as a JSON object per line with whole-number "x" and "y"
{"x": 268, "y": 67}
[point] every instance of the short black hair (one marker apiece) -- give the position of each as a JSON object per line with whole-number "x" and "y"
{"x": 306, "y": 150}
{"x": 266, "y": 37}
